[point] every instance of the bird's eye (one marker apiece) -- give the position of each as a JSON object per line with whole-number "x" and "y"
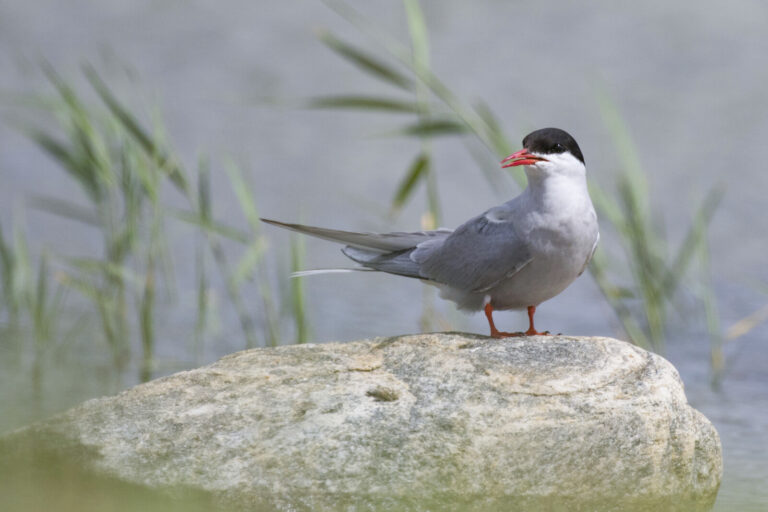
{"x": 558, "y": 148}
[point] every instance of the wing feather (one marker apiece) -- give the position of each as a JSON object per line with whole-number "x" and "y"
{"x": 474, "y": 258}
{"x": 378, "y": 242}
{"x": 477, "y": 256}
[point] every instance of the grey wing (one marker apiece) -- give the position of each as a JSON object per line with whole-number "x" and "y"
{"x": 387, "y": 252}
{"x": 399, "y": 262}
{"x": 477, "y": 255}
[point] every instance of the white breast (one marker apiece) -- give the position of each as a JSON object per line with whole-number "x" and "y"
{"x": 559, "y": 224}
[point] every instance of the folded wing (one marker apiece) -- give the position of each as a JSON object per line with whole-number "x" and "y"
{"x": 474, "y": 258}
{"x": 477, "y": 256}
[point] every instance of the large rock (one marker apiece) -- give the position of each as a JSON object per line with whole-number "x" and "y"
{"x": 425, "y": 422}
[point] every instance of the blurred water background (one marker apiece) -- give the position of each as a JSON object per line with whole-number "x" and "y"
{"x": 229, "y": 81}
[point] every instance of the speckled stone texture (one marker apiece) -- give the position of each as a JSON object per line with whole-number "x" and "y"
{"x": 422, "y": 422}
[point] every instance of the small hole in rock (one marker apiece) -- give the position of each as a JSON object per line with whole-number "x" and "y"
{"x": 382, "y": 394}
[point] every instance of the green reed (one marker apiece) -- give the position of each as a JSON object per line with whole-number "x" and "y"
{"x": 123, "y": 171}
{"x": 30, "y": 300}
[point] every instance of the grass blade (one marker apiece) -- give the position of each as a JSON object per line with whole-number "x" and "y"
{"x": 66, "y": 209}
{"x": 607, "y": 207}
{"x": 133, "y": 127}
{"x": 68, "y": 161}
{"x": 433, "y": 128}
{"x": 201, "y": 322}
{"x": 416, "y": 172}
{"x": 365, "y": 61}
{"x": 7, "y": 265}
{"x": 497, "y": 138}
{"x": 40, "y": 300}
{"x": 746, "y": 324}
{"x": 694, "y": 239}
{"x": 211, "y": 226}
{"x": 245, "y": 268}
{"x": 612, "y": 295}
{"x": 359, "y": 102}
{"x": 619, "y": 132}
{"x": 204, "y": 193}
{"x": 95, "y": 266}
{"x": 244, "y": 197}
{"x": 433, "y": 218}
{"x": 298, "y": 293}
{"x": 419, "y": 33}
{"x": 21, "y": 276}
{"x": 716, "y": 356}
{"x": 405, "y": 57}
{"x": 147, "y": 321}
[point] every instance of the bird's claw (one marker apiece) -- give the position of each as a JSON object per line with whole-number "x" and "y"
{"x": 518, "y": 334}
{"x": 502, "y": 334}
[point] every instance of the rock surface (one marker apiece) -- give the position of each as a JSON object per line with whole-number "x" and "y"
{"x": 423, "y": 422}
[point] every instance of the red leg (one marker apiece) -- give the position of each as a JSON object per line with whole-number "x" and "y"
{"x": 495, "y": 333}
{"x": 531, "y": 329}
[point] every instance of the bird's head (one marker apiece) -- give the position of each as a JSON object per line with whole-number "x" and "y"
{"x": 549, "y": 151}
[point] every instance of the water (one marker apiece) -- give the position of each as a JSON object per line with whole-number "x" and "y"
{"x": 689, "y": 77}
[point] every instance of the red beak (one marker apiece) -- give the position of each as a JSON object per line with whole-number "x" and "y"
{"x": 522, "y": 157}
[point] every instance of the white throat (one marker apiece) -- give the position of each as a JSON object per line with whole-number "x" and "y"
{"x": 558, "y": 184}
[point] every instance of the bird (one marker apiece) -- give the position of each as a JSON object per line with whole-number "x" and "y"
{"x": 510, "y": 257}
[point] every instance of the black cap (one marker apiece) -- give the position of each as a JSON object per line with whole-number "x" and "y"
{"x": 552, "y": 140}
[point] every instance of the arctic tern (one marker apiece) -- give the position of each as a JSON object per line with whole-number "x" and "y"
{"x": 513, "y": 256}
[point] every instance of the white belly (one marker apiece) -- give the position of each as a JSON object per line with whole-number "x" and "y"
{"x": 557, "y": 262}
{"x": 538, "y": 281}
